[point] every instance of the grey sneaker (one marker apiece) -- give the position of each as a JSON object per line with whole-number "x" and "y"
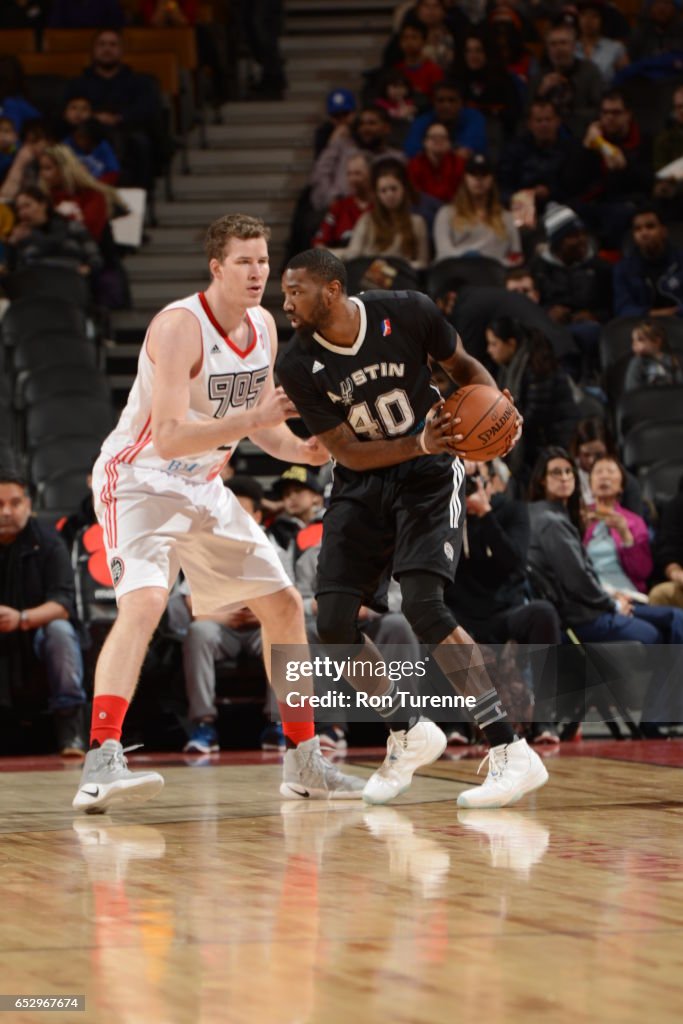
{"x": 106, "y": 779}
{"x": 306, "y": 774}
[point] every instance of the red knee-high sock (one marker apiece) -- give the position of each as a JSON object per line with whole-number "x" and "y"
{"x": 296, "y": 724}
{"x": 108, "y": 713}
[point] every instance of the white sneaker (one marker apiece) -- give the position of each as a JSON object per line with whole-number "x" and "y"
{"x": 516, "y": 842}
{"x": 306, "y": 774}
{"x": 514, "y": 770}
{"x": 406, "y": 752}
{"x": 106, "y": 779}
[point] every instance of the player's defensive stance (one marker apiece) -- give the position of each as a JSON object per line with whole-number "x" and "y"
{"x": 358, "y": 372}
{"x": 204, "y": 381}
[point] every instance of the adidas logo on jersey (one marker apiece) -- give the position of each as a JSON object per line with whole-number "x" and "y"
{"x": 317, "y": 367}
{"x": 216, "y": 348}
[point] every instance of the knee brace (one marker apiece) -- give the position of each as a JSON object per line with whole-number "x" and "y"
{"x": 424, "y": 607}
{"x": 337, "y": 621}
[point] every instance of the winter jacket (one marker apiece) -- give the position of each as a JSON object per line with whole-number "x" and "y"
{"x": 585, "y": 285}
{"x": 633, "y": 294}
{"x": 563, "y": 567}
{"x": 525, "y": 164}
{"x": 636, "y": 561}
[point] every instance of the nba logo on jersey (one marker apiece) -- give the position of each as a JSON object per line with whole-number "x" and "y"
{"x": 386, "y": 328}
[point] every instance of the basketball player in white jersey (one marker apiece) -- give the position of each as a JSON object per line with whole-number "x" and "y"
{"x": 205, "y": 380}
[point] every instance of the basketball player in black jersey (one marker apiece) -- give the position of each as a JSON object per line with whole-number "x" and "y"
{"x": 357, "y": 370}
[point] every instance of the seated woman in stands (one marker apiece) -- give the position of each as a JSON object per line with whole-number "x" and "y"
{"x": 591, "y": 441}
{"x": 475, "y": 223}
{"x": 559, "y": 559}
{"x": 527, "y": 366}
{"x": 42, "y": 237}
{"x": 390, "y": 228}
{"x": 75, "y": 193}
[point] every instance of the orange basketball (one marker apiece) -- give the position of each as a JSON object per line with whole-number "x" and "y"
{"x": 488, "y": 421}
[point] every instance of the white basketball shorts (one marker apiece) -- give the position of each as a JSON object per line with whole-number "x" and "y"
{"x": 155, "y": 524}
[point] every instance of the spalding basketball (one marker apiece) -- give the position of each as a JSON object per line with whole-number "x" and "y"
{"x": 488, "y": 421}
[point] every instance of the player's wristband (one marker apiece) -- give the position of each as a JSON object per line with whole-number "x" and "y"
{"x": 423, "y": 446}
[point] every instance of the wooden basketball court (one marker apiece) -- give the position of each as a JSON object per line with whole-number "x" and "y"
{"x": 218, "y": 902}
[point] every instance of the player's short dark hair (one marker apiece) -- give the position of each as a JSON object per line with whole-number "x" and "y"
{"x": 13, "y": 476}
{"x": 321, "y": 264}
{"x": 247, "y": 487}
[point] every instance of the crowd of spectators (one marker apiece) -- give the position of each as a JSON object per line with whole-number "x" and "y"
{"x": 503, "y": 135}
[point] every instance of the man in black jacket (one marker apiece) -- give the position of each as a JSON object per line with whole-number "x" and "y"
{"x": 37, "y": 615}
{"x": 489, "y": 594}
{"x": 128, "y": 107}
{"x": 669, "y": 553}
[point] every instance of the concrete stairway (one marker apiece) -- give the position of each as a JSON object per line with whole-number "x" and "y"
{"x": 256, "y": 161}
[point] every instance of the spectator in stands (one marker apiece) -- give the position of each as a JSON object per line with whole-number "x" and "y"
{"x": 574, "y": 283}
{"x": 341, "y": 110}
{"x": 432, "y": 14}
{"x": 649, "y": 280}
{"x": 168, "y": 13}
{"x": 659, "y": 30}
{"x": 85, "y": 138}
{"x": 13, "y": 102}
{"x": 437, "y": 170}
{"x": 263, "y": 21}
{"x": 668, "y": 147}
{"x": 75, "y": 193}
{"x": 23, "y": 13}
{"x": 395, "y": 97}
{"x": 344, "y": 213}
{"x": 85, "y": 14}
{"x": 653, "y": 363}
{"x": 37, "y": 617}
{"x": 593, "y": 440}
{"x": 615, "y": 170}
{"x": 475, "y": 223}
{"x": 486, "y": 85}
{"x": 669, "y": 553}
{"x": 8, "y": 146}
{"x": 507, "y": 41}
{"x": 301, "y": 493}
{"x": 608, "y": 55}
{"x": 389, "y": 228}
{"x": 557, "y": 556}
{"x": 528, "y": 368}
{"x": 574, "y": 86}
{"x": 616, "y": 539}
{"x": 541, "y": 159}
{"x": 44, "y": 238}
{"x": 25, "y": 169}
{"x": 369, "y": 133}
{"x": 422, "y": 73}
{"x": 467, "y": 127}
{"x": 129, "y": 107}
{"x": 489, "y": 594}
{"x": 521, "y": 281}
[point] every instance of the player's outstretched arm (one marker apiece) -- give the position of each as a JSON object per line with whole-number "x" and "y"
{"x": 175, "y": 348}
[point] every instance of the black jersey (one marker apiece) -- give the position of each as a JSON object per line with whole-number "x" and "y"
{"x": 381, "y": 385}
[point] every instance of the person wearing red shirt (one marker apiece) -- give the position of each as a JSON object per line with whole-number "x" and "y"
{"x": 340, "y": 220}
{"x": 423, "y": 74}
{"x": 437, "y": 169}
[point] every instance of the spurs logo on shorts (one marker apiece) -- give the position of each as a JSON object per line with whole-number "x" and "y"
{"x": 117, "y": 569}
{"x": 448, "y": 550}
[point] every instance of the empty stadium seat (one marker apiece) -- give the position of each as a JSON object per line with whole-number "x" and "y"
{"x": 70, "y": 379}
{"x": 63, "y": 493}
{"x": 649, "y": 404}
{"x": 661, "y": 480}
{"x": 26, "y": 317}
{"x": 73, "y": 416}
{"x": 62, "y": 455}
{"x": 648, "y": 443}
{"x": 53, "y": 348}
{"x": 49, "y": 282}
{"x": 456, "y": 272}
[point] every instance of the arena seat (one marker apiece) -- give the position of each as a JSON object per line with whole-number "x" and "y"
{"x": 661, "y": 480}
{"x": 49, "y": 282}
{"x": 67, "y": 416}
{"x": 61, "y": 455}
{"x": 652, "y": 404}
{"x": 53, "y": 348}
{"x": 456, "y": 272}
{"x": 406, "y": 276}
{"x": 647, "y": 443}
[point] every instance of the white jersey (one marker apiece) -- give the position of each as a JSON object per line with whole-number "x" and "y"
{"x": 228, "y": 380}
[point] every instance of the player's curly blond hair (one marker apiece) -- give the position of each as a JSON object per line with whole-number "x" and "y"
{"x": 232, "y": 225}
